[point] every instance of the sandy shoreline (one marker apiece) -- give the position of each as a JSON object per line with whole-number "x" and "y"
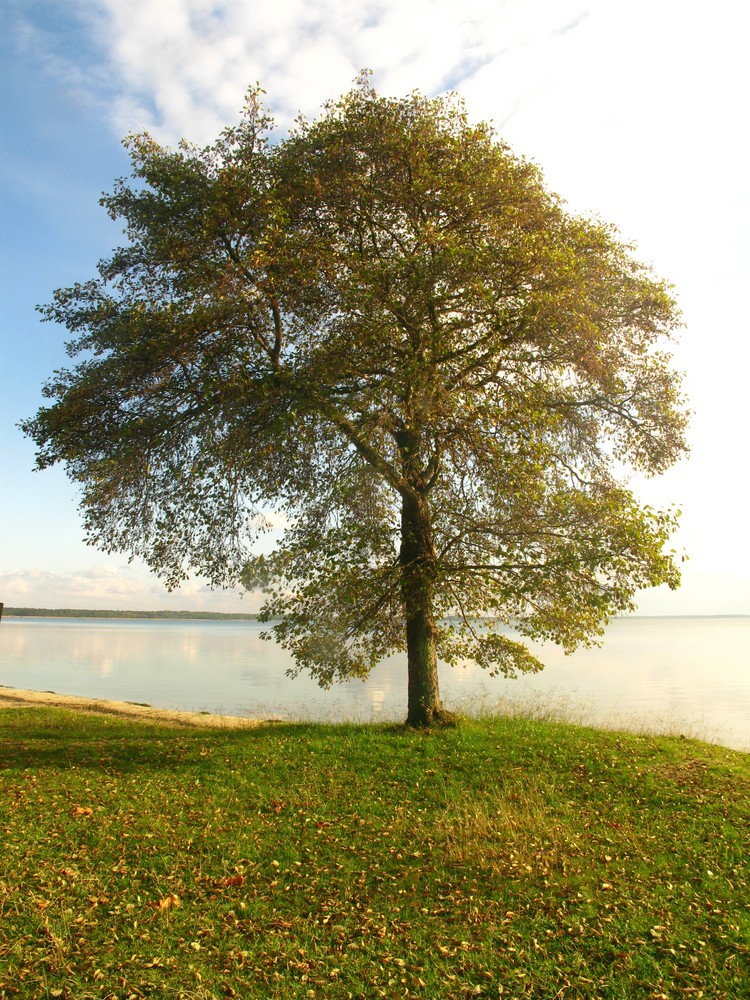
{"x": 16, "y": 697}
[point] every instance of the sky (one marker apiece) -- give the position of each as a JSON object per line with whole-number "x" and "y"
{"x": 636, "y": 112}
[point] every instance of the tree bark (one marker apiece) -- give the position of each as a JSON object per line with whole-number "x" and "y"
{"x": 417, "y": 559}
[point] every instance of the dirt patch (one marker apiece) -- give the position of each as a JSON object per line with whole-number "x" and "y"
{"x": 15, "y": 697}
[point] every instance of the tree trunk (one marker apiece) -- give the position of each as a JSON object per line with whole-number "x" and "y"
{"x": 417, "y": 558}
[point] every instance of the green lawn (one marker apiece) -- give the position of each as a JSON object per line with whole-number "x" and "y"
{"x": 502, "y": 858}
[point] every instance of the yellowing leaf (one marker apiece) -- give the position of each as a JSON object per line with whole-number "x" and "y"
{"x": 232, "y": 880}
{"x": 169, "y": 902}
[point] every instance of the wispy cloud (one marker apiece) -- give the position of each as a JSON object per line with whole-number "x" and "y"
{"x": 181, "y": 67}
{"x": 109, "y": 587}
{"x": 91, "y": 584}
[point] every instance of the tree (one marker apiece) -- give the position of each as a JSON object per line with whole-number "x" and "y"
{"x": 386, "y": 330}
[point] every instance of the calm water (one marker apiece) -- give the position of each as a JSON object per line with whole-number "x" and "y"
{"x": 687, "y": 675}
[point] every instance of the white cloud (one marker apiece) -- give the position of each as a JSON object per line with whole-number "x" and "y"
{"x": 86, "y": 583}
{"x": 181, "y": 67}
{"x": 111, "y": 587}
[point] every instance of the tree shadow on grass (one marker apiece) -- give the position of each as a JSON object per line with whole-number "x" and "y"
{"x": 34, "y": 738}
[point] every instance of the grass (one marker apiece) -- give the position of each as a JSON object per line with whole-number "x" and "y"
{"x": 504, "y": 858}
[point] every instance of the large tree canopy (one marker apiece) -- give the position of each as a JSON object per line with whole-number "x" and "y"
{"x": 385, "y": 329}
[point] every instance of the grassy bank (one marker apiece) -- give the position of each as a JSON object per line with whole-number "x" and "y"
{"x": 504, "y": 858}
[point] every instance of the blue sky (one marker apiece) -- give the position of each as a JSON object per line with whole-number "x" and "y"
{"x": 634, "y": 111}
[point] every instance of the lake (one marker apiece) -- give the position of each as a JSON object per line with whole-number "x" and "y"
{"x": 687, "y": 675}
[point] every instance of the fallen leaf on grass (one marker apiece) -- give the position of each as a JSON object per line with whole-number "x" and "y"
{"x": 169, "y": 902}
{"x": 82, "y": 811}
{"x": 230, "y": 880}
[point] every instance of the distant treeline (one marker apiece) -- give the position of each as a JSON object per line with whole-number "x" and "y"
{"x": 86, "y": 613}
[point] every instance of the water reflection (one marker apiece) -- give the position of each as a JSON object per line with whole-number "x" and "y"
{"x": 688, "y": 674}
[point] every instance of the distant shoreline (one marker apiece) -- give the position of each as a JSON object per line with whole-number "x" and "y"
{"x": 93, "y": 613}
{"x": 241, "y": 616}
